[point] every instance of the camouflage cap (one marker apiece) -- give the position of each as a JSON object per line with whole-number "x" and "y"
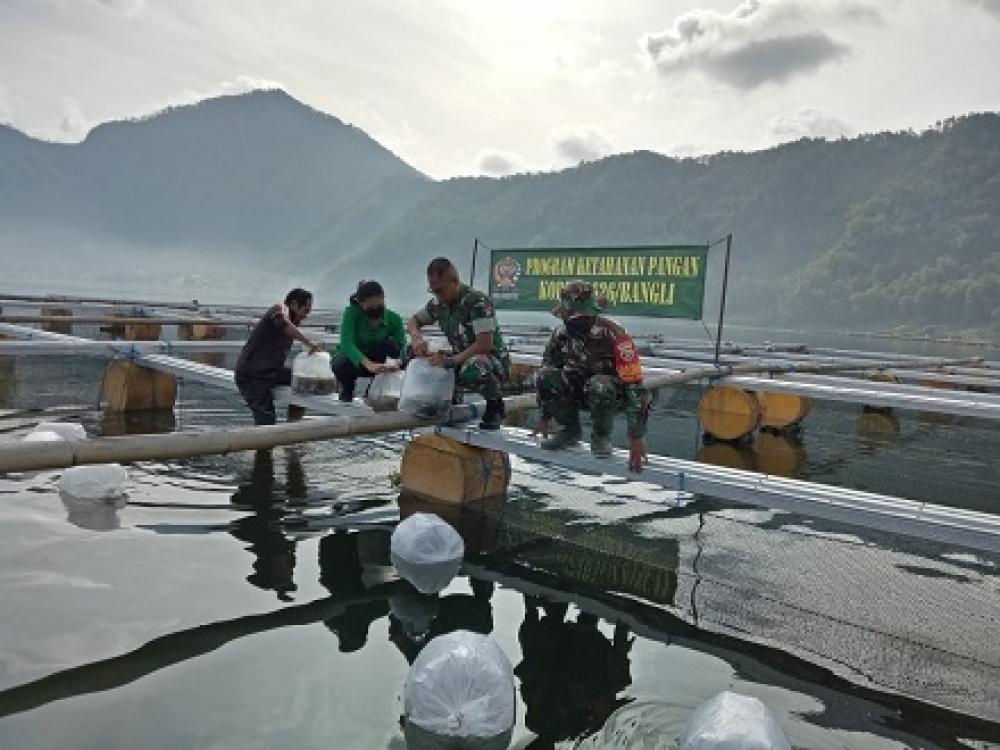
{"x": 577, "y": 298}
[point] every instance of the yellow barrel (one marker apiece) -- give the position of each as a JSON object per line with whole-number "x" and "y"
{"x": 142, "y": 332}
{"x": 781, "y": 410}
{"x": 57, "y": 326}
{"x": 442, "y": 470}
{"x": 728, "y": 413}
{"x": 729, "y": 455}
{"x": 879, "y": 426}
{"x": 778, "y": 455}
{"x": 129, "y": 387}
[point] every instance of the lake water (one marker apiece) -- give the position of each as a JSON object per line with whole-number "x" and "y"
{"x": 247, "y": 601}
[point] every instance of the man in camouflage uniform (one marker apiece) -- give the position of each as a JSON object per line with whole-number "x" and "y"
{"x": 591, "y": 362}
{"x": 468, "y": 319}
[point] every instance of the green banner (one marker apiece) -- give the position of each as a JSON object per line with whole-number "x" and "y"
{"x": 656, "y": 281}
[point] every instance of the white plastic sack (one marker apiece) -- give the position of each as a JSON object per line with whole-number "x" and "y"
{"x": 427, "y": 390}
{"x": 427, "y": 552}
{"x": 100, "y": 482}
{"x": 42, "y": 436}
{"x": 67, "y": 430}
{"x": 461, "y": 685}
{"x": 385, "y": 391}
{"x": 311, "y": 373}
{"x": 731, "y": 721}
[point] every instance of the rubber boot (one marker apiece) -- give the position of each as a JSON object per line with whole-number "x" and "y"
{"x": 600, "y": 438}
{"x": 494, "y": 414}
{"x": 569, "y": 432}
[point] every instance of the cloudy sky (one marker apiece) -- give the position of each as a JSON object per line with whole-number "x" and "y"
{"x": 494, "y": 86}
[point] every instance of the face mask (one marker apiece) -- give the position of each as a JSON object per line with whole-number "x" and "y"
{"x": 578, "y": 327}
{"x": 375, "y": 312}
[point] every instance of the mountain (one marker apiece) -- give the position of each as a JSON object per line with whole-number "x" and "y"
{"x": 241, "y": 196}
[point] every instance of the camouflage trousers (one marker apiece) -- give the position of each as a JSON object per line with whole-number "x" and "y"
{"x": 483, "y": 374}
{"x": 563, "y": 391}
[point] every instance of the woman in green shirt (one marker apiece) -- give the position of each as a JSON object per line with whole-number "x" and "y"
{"x": 369, "y": 335}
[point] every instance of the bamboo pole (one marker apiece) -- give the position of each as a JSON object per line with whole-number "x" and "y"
{"x": 56, "y": 455}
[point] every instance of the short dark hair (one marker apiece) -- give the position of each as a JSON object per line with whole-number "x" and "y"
{"x": 367, "y": 290}
{"x": 441, "y": 267}
{"x": 299, "y": 296}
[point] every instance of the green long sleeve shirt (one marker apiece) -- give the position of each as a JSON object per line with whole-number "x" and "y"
{"x": 357, "y": 333}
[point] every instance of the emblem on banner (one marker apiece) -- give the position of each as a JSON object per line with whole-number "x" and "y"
{"x": 506, "y": 274}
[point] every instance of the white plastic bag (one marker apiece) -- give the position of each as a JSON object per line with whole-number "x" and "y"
{"x": 99, "y": 482}
{"x": 427, "y": 552}
{"x": 461, "y": 685}
{"x": 385, "y": 391}
{"x": 42, "y": 436}
{"x": 427, "y": 390}
{"x": 311, "y": 373}
{"x": 66, "y": 430}
{"x": 731, "y": 721}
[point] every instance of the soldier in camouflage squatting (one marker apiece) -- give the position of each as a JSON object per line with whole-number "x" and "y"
{"x": 591, "y": 362}
{"x": 468, "y": 319}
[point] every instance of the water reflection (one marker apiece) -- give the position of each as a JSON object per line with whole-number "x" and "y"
{"x": 115, "y": 423}
{"x": 417, "y": 618}
{"x": 343, "y": 559}
{"x": 571, "y": 673}
{"x": 273, "y": 550}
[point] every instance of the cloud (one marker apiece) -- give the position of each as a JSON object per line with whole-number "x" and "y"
{"x": 125, "y": 7}
{"x": 990, "y": 6}
{"x": 6, "y": 107}
{"x": 497, "y": 163}
{"x": 73, "y": 124}
{"x": 580, "y": 144}
{"x": 808, "y": 123}
{"x": 760, "y": 41}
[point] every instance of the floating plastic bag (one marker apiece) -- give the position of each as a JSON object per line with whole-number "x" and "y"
{"x": 731, "y": 721}
{"x": 461, "y": 686}
{"x": 42, "y": 436}
{"x": 100, "y": 482}
{"x": 66, "y": 430}
{"x": 427, "y": 552}
{"x": 427, "y": 390}
{"x": 311, "y": 374}
{"x": 385, "y": 391}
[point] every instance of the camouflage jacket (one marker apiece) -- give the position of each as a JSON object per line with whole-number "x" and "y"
{"x": 471, "y": 315}
{"x": 607, "y": 350}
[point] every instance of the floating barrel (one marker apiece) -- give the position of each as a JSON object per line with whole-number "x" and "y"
{"x": 728, "y": 413}
{"x": 728, "y": 455}
{"x": 204, "y": 332}
{"x": 522, "y": 377}
{"x": 778, "y": 455}
{"x": 781, "y": 410}
{"x": 129, "y": 387}
{"x": 442, "y": 470}
{"x": 142, "y": 332}
{"x": 878, "y": 426}
{"x": 60, "y": 326}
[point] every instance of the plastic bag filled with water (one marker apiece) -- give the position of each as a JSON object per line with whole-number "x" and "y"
{"x": 460, "y": 693}
{"x": 99, "y": 482}
{"x": 427, "y": 552}
{"x": 427, "y": 390}
{"x": 65, "y": 430}
{"x": 311, "y": 374}
{"x": 385, "y": 391}
{"x": 731, "y": 721}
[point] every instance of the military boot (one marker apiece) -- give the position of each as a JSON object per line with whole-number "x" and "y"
{"x": 601, "y": 422}
{"x": 568, "y": 434}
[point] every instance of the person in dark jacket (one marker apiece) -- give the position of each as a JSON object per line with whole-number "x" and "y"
{"x": 370, "y": 334}
{"x": 261, "y": 365}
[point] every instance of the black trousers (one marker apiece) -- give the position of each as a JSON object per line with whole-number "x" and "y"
{"x": 348, "y": 373}
{"x": 258, "y": 392}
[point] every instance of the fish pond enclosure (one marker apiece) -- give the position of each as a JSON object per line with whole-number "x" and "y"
{"x": 818, "y": 528}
